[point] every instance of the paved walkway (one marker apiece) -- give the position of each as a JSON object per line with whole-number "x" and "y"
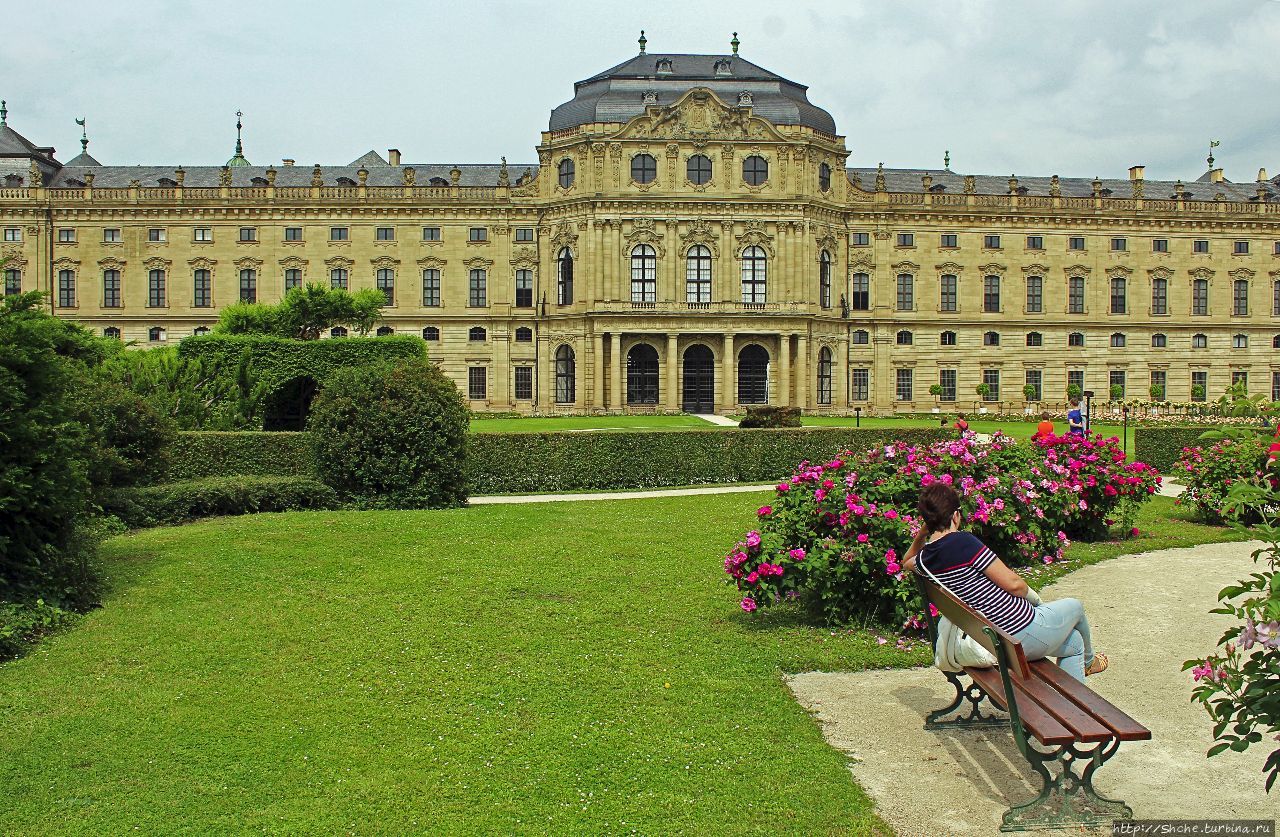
{"x": 1149, "y": 612}
{"x": 721, "y": 421}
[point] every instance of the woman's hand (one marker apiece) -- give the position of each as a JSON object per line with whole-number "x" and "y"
{"x": 917, "y": 544}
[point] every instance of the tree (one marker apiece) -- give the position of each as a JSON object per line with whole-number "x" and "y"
{"x": 1029, "y": 392}
{"x": 306, "y": 313}
{"x": 1117, "y": 392}
{"x": 195, "y": 392}
{"x": 366, "y": 309}
{"x": 1074, "y": 391}
{"x": 935, "y": 390}
{"x": 983, "y": 390}
{"x": 1157, "y": 392}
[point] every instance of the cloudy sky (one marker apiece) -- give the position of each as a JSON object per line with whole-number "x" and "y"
{"x": 1073, "y": 87}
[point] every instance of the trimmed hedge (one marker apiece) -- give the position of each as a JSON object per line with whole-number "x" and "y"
{"x": 1161, "y": 447}
{"x": 277, "y": 360}
{"x": 198, "y": 454}
{"x": 546, "y": 462}
{"x": 179, "y": 502}
{"x": 771, "y": 417}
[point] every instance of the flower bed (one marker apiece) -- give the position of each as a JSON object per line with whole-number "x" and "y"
{"x": 834, "y": 533}
{"x": 1211, "y": 470}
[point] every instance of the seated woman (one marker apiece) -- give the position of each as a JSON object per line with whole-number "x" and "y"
{"x": 972, "y": 573}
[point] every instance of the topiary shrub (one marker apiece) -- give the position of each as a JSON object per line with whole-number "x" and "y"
{"x": 391, "y": 436}
{"x": 1162, "y": 447}
{"x": 130, "y": 439}
{"x": 771, "y": 417}
{"x": 199, "y": 454}
{"x": 180, "y": 502}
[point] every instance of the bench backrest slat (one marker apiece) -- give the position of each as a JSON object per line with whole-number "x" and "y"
{"x": 972, "y": 623}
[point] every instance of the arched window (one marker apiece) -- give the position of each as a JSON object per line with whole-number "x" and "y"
{"x": 565, "y": 368}
{"x": 566, "y": 172}
{"x": 1239, "y": 341}
{"x": 524, "y": 334}
{"x": 169, "y": 182}
{"x": 112, "y": 332}
{"x": 1075, "y": 338}
{"x": 824, "y": 177}
{"x": 644, "y": 274}
{"x": 1034, "y": 338}
{"x": 385, "y": 331}
{"x": 257, "y": 181}
{"x": 698, "y": 169}
{"x": 755, "y": 170}
{"x": 904, "y": 338}
{"x": 338, "y": 331}
{"x": 755, "y": 272}
{"x": 825, "y": 370}
{"x": 477, "y": 334}
{"x": 642, "y": 374}
{"x": 947, "y": 338}
{"x": 201, "y": 331}
{"x": 437, "y": 181}
{"x": 1275, "y": 342}
{"x": 644, "y": 169}
{"x": 431, "y": 333}
{"x": 1199, "y": 341}
{"x": 1117, "y": 340}
{"x": 1159, "y": 341}
{"x": 345, "y": 181}
{"x": 991, "y": 338}
{"x": 156, "y": 334}
{"x": 824, "y": 279}
{"x": 697, "y": 274}
{"x": 753, "y": 375}
{"x": 564, "y": 277}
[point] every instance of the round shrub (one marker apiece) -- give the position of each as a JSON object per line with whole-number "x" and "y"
{"x": 391, "y": 437}
{"x": 130, "y": 438}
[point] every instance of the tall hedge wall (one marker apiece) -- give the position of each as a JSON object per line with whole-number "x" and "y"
{"x": 1161, "y": 447}
{"x": 277, "y": 360}
{"x": 503, "y": 463}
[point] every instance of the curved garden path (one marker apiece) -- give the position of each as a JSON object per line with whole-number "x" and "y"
{"x": 1149, "y": 612}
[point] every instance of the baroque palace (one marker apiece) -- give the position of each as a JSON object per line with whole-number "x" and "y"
{"x": 690, "y": 238}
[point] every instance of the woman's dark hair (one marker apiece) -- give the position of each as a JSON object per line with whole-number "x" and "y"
{"x": 938, "y": 501}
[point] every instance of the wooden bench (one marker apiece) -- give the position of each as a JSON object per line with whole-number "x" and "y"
{"x": 1075, "y": 730}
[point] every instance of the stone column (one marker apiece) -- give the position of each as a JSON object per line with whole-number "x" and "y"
{"x": 673, "y": 374}
{"x": 784, "y": 369}
{"x": 802, "y": 371}
{"x": 728, "y": 390}
{"x": 840, "y": 398}
{"x": 616, "y": 400}
{"x": 727, "y": 281}
{"x": 598, "y": 373}
{"x": 543, "y": 372}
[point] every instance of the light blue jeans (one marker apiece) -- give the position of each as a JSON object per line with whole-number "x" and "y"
{"x": 1060, "y": 630}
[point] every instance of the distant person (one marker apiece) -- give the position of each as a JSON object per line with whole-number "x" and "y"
{"x": 961, "y": 424}
{"x": 1044, "y": 428}
{"x": 1075, "y": 418}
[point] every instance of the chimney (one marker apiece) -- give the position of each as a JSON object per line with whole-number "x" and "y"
{"x": 1137, "y": 172}
{"x": 1215, "y": 176}
{"x": 1262, "y": 175}
{"x": 393, "y": 156}
{"x": 287, "y": 161}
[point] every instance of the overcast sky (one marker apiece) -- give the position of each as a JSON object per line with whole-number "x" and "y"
{"x": 1073, "y": 87}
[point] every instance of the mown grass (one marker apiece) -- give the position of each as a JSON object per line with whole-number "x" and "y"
{"x": 586, "y": 423}
{"x": 1016, "y": 428}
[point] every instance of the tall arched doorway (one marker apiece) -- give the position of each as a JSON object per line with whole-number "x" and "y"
{"x": 699, "y": 380}
{"x": 753, "y": 375}
{"x": 642, "y": 374}
{"x": 288, "y": 407}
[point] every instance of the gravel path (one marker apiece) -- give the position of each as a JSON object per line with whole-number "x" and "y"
{"x": 1149, "y": 612}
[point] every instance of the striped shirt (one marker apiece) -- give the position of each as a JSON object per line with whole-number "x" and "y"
{"x": 957, "y": 561}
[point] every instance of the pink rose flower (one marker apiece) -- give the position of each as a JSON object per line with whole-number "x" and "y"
{"x": 764, "y": 511}
{"x": 862, "y": 538}
{"x": 748, "y": 604}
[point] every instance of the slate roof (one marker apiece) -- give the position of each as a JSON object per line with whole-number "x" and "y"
{"x": 617, "y": 94}
{"x": 83, "y": 159}
{"x": 13, "y": 144}
{"x": 369, "y": 158}
{"x": 109, "y": 177}
{"x": 909, "y": 180}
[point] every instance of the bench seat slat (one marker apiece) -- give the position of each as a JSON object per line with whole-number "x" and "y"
{"x": 1115, "y": 719}
{"x": 1083, "y": 725}
{"x": 1043, "y": 727}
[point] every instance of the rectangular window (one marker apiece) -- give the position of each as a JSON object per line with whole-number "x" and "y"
{"x": 1075, "y": 378}
{"x": 949, "y": 241}
{"x": 292, "y": 279}
{"x": 991, "y": 242}
{"x": 860, "y": 381}
{"x": 947, "y": 380}
{"x": 1159, "y": 245}
{"x": 293, "y": 233}
{"x": 1159, "y": 385}
{"x": 111, "y": 235}
{"x": 947, "y": 292}
{"x": 1199, "y": 386}
{"x": 202, "y": 234}
{"x": 477, "y": 290}
{"x": 110, "y": 289}
{"x": 1116, "y": 378}
{"x": 202, "y": 285}
{"x": 1275, "y": 386}
{"x": 1200, "y": 245}
{"x": 1119, "y": 244}
{"x": 1240, "y": 378}
{"x": 1075, "y": 295}
{"x": 385, "y": 280}
{"x": 155, "y": 289}
{"x": 478, "y": 234}
{"x": 903, "y": 389}
{"x": 1200, "y": 297}
{"x": 991, "y": 377}
{"x": 13, "y": 233}
{"x": 477, "y": 383}
{"x": 385, "y": 234}
{"x": 1240, "y": 298}
{"x": 1275, "y": 298}
{"x": 338, "y": 278}
{"x": 66, "y": 289}
{"x": 524, "y": 383}
{"x": 248, "y": 285}
{"x": 1035, "y": 294}
{"x": 431, "y": 288}
{"x": 1035, "y": 378}
{"x": 524, "y": 288}
{"x": 1159, "y": 296}
{"x": 860, "y": 292}
{"x": 157, "y": 235}
{"x": 430, "y": 233}
{"x": 991, "y": 294}
{"x": 1075, "y": 242}
{"x": 12, "y": 282}
{"x": 67, "y": 236}
{"x": 1119, "y": 299}
{"x": 248, "y": 233}
{"x": 906, "y": 240}
{"x": 1241, "y": 248}
{"x": 860, "y": 239}
{"x": 524, "y": 233}
{"x": 906, "y": 292}
{"x": 339, "y": 234}
{"x": 1035, "y": 242}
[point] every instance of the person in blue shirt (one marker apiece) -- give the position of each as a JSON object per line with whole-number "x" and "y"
{"x": 1075, "y": 419}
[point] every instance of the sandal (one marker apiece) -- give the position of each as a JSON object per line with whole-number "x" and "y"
{"x": 1099, "y": 664}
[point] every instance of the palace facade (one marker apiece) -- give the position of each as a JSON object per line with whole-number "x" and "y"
{"x": 690, "y": 238}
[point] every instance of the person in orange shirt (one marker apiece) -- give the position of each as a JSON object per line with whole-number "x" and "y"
{"x": 1044, "y": 428}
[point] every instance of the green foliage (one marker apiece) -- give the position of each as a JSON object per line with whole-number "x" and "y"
{"x": 1029, "y": 392}
{"x": 1117, "y": 392}
{"x": 1238, "y": 403}
{"x": 500, "y": 463}
{"x": 1074, "y": 391}
{"x": 983, "y": 390}
{"x": 220, "y": 392}
{"x": 935, "y": 390}
{"x": 1198, "y": 393}
{"x": 1162, "y": 447}
{"x": 196, "y": 455}
{"x": 1157, "y": 392}
{"x": 389, "y": 436}
{"x": 305, "y": 313}
{"x": 180, "y": 502}
{"x": 771, "y": 417}
{"x": 22, "y": 625}
{"x": 1220, "y": 461}
{"x": 129, "y": 440}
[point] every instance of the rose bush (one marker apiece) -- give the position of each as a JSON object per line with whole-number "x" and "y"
{"x": 1209, "y": 472}
{"x": 834, "y": 533}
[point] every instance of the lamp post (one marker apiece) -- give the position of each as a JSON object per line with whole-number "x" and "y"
{"x": 857, "y": 416}
{"x": 1124, "y": 430}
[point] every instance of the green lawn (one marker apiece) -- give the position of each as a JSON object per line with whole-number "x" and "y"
{"x": 1014, "y": 427}
{"x": 585, "y": 423}
{"x": 563, "y": 668}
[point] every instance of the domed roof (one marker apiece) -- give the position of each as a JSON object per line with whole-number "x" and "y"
{"x": 624, "y": 91}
